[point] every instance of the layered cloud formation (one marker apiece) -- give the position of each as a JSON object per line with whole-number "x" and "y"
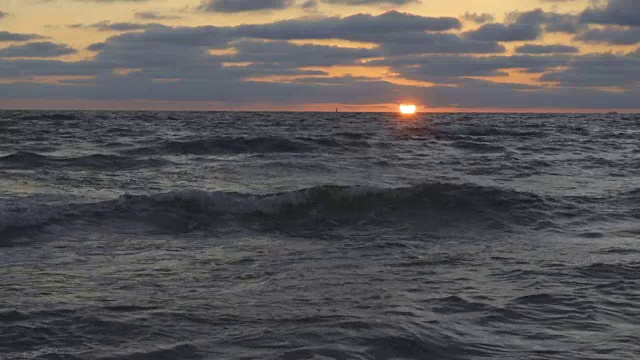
{"x": 533, "y": 59}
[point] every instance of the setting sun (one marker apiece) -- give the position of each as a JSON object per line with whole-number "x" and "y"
{"x": 407, "y": 109}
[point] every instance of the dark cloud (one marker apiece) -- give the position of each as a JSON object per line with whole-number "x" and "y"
{"x": 180, "y": 37}
{"x": 448, "y": 69}
{"x": 547, "y": 49}
{"x": 233, "y": 6}
{"x": 152, "y": 15}
{"x": 563, "y": 23}
{"x": 177, "y": 63}
{"x": 478, "y": 18}
{"x": 523, "y": 26}
{"x": 114, "y": 1}
{"x": 96, "y": 1}
{"x": 612, "y": 36}
{"x": 15, "y": 69}
{"x": 615, "y": 12}
{"x": 599, "y": 70}
{"x": 551, "y": 21}
{"x": 3, "y": 14}
{"x": 526, "y": 26}
{"x": 292, "y": 55}
{"x": 237, "y": 6}
{"x": 396, "y": 34}
{"x": 434, "y": 43}
{"x": 37, "y": 49}
{"x": 475, "y": 94}
{"x": 117, "y": 27}
{"x": 309, "y": 4}
{"x": 10, "y": 36}
{"x": 505, "y": 32}
{"x": 371, "y": 2}
{"x": 360, "y": 27}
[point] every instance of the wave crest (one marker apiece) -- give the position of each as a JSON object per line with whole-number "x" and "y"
{"x": 246, "y": 145}
{"x": 29, "y": 160}
{"x": 226, "y": 145}
{"x": 429, "y": 205}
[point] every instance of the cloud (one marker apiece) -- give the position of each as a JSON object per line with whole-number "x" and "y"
{"x": 178, "y": 63}
{"x": 16, "y": 69}
{"x": 234, "y": 6}
{"x": 238, "y": 6}
{"x": 523, "y": 26}
{"x": 114, "y": 1}
{"x": 475, "y": 94}
{"x": 95, "y": 1}
{"x": 153, "y": 15}
{"x": 611, "y": 35}
{"x": 37, "y": 49}
{"x": 359, "y": 27}
{"x": 10, "y": 36}
{"x": 396, "y": 34}
{"x": 551, "y": 21}
{"x": 371, "y": 2}
{"x": 478, "y": 18}
{"x": 615, "y": 12}
{"x": 435, "y": 43}
{"x": 526, "y": 26}
{"x": 547, "y": 49}
{"x": 599, "y": 70}
{"x": 3, "y": 14}
{"x": 450, "y": 68}
{"x": 505, "y": 32}
{"x": 291, "y": 55}
{"x": 118, "y": 27}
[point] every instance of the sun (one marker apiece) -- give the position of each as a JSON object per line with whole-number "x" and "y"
{"x": 407, "y": 109}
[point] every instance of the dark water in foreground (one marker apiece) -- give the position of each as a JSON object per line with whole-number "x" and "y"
{"x": 319, "y": 236}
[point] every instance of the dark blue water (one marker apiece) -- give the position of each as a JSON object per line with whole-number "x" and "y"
{"x": 139, "y": 235}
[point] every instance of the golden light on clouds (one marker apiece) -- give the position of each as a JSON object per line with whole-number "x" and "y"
{"x": 382, "y": 59}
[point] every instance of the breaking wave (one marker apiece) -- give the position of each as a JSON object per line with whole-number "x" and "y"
{"x": 430, "y": 205}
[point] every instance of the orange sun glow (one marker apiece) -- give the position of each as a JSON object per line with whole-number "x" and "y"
{"x": 407, "y": 109}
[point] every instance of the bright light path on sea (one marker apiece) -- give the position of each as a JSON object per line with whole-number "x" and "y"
{"x": 407, "y": 109}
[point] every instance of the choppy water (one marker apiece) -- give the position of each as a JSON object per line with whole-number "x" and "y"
{"x": 137, "y": 235}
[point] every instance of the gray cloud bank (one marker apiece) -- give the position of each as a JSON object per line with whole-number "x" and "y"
{"x": 178, "y": 63}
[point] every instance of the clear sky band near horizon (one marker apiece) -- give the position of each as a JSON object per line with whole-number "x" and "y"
{"x": 318, "y": 55}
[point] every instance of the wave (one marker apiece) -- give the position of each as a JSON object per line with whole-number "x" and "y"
{"x": 450, "y": 131}
{"x": 18, "y": 221}
{"x": 316, "y": 209}
{"x": 479, "y": 146}
{"x": 245, "y": 145}
{"x": 226, "y": 145}
{"x": 174, "y": 351}
{"x": 29, "y": 160}
{"x": 49, "y": 116}
{"x": 483, "y": 131}
{"x": 621, "y": 271}
{"x": 335, "y": 205}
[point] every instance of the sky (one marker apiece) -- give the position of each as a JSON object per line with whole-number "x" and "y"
{"x": 318, "y": 55}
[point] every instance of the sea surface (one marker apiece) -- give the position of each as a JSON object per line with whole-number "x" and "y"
{"x": 195, "y": 235}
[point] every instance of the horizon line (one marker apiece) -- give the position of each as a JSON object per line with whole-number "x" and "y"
{"x": 434, "y": 111}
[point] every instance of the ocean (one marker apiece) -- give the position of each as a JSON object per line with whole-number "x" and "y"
{"x": 231, "y": 235}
